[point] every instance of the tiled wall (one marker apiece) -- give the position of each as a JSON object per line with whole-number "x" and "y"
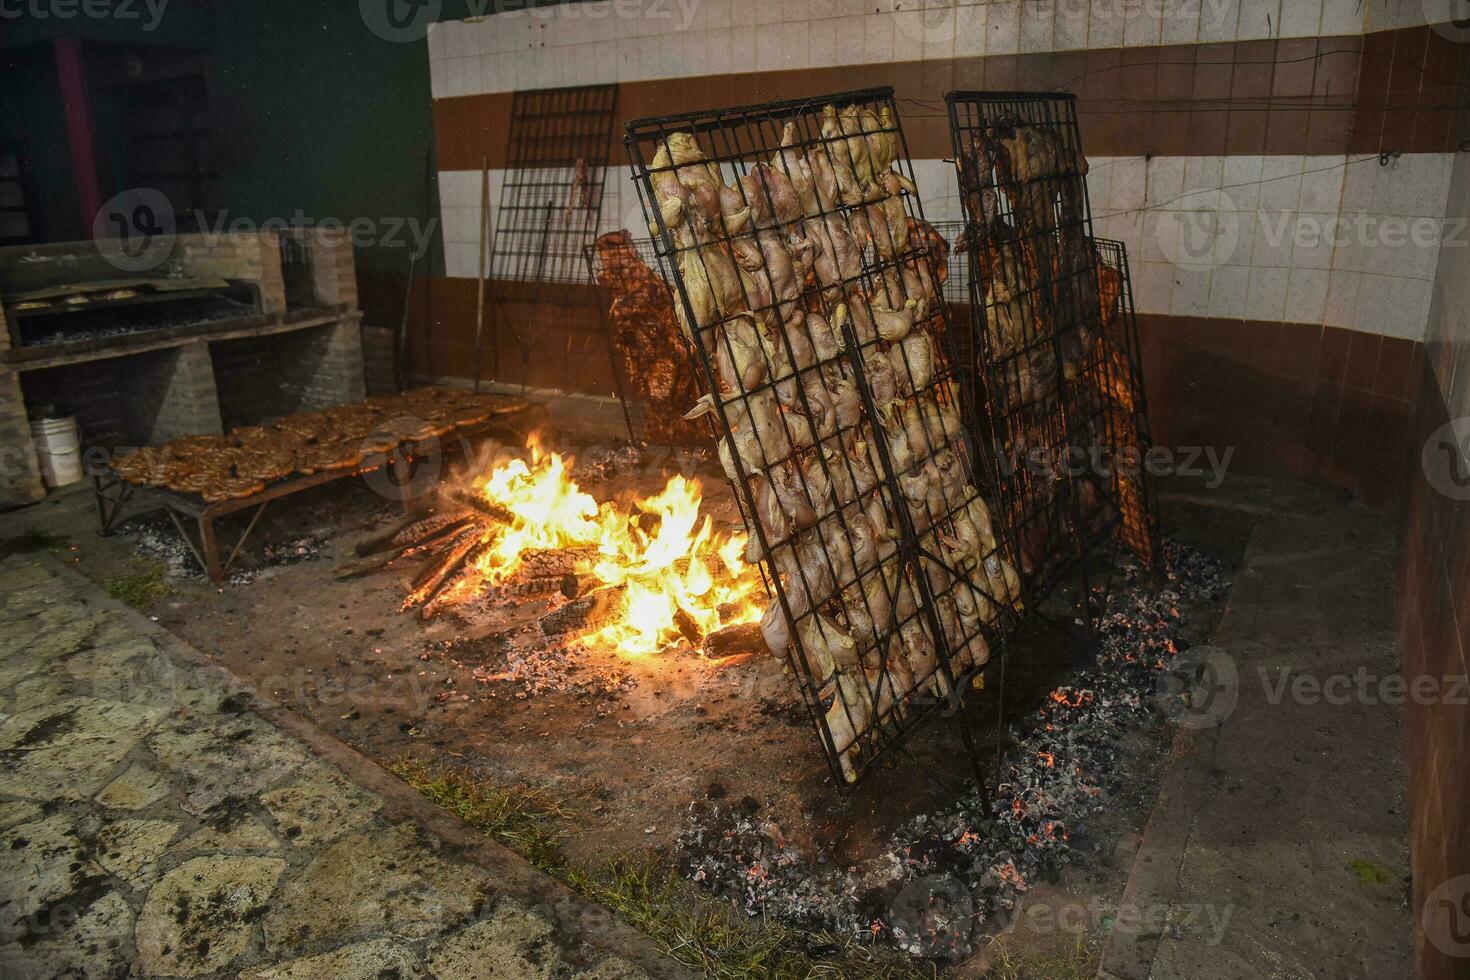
{"x": 1316, "y": 135}
{"x": 1434, "y": 591}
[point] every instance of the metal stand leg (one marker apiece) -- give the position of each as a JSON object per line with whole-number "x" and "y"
{"x": 974, "y": 754}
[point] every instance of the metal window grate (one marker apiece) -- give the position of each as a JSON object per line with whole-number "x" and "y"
{"x": 847, "y": 447}
{"x": 555, "y": 172}
{"x": 1036, "y": 319}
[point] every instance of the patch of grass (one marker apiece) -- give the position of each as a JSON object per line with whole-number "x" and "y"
{"x": 701, "y": 933}
{"x": 1074, "y": 956}
{"x": 1372, "y": 873}
{"x": 140, "y": 588}
{"x": 29, "y": 542}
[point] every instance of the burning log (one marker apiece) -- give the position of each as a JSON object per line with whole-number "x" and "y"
{"x": 427, "y": 583}
{"x": 586, "y": 612}
{"x": 439, "y": 534}
{"x": 734, "y": 641}
{"x": 554, "y": 563}
{"x": 465, "y": 498}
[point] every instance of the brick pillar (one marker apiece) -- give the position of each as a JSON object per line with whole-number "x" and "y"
{"x": 329, "y": 370}
{"x": 176, "y": 396}
{"x": 20, "y": 473}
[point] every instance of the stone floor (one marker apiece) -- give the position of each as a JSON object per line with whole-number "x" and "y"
{"x": 156, "y": 820}
{"x": 1280, "y": 843}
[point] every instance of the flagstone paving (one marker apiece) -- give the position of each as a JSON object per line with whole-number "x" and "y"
{"x": 153, "y": 823}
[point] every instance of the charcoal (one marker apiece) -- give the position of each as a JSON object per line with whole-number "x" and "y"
{"x": 962, "y": 866}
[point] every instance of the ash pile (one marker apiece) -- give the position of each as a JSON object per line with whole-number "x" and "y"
{"x": 155, "y": 537}
{"x": 949, "y": 876}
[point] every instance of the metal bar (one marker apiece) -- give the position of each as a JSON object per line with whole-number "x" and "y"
{"x": 243, "y": 535}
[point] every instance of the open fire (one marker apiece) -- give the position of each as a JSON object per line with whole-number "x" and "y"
{"x": 639, "y": 578}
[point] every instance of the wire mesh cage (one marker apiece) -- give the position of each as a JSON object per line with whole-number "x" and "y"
{"x": 550, "y": 203}
{"x": 1116, "y": 372}
{"x": 807, "y": 295}
{"x": 557, "y": 148}
{"x": 1036, "y": 313}
{"x": 656, "y": 380}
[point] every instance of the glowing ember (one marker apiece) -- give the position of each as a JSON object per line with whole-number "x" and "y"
{"x": 668, "y": 558}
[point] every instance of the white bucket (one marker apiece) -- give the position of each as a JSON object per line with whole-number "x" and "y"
{"x": 58, "y": 449}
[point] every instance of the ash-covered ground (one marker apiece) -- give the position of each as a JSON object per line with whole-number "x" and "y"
{"x": 952, "y": 873}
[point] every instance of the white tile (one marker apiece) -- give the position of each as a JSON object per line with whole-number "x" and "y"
{"x": 1191, "y": 296}
{"x": 1341, "y": 17}
{"x": 849, "y": 43}
{"x": 971, "y": 30}
{"x": 1409, "y": 301}
{"x": 1218, "y": 20}
{"x": 1228, "y": 291}
{"x": 1375, "y": 307}
{"x": 1202, "y": 173}
{"x": 766, "y": 11}
{"x": 1359, "y": 177}
{"x": 877, "y": 39}
{"x": 1321, "y": 188}
{"x": 1165, "y": 176}
{"x": 1105, "y": 26}
{"x": 1179, "y": 22}
{"x": 822, "y": 36}
{"x": 1069, "y": 27}
{"x": 1153, "y": 287}
{"x": 1306, "y": 293}
{"x": 822, "y": 9}
{"x": 796, "y": 50}
{"x": 1422, "y": 250}
{"x": 908, "y": 35}
{"x": 1098, "y": 180}
{"x": 1037, "y": 31}
{"x": 939, "y": 34}
{"x": 437, "y": 40}
{"x": 1258, "y": 19}
{"x": 1281, "y": 183}
{"x": 1266, "y": 298}
{"x": 796, "y": 11}
{"x": 1242, "y": 176}
{"x": 1129, "y": 182}
{"x": 1312, "y": 248}
{"x": 1300, "y": 18}
{"x": 454, "y": 38}
{"x": 1274, "y": 239}
{"x": 1236, "y": 239}
{"x": 1003, "y": 27}
{"x": 1141, "y": 25}
{"x": 716, "y": 14}
{"x": 438, "y": 80}
{"x": 1340, "y": 307}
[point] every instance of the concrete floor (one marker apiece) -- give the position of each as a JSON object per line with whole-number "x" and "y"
{"x": 1279, "y": 847}
{"x": 153, "y": 822}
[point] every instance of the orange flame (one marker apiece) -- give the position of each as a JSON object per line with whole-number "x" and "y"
{"x": 676, "y": 562}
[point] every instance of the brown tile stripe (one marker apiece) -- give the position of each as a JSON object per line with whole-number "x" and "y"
{"x": 1301, "y": 400}
{"x": 1359, "y": 94}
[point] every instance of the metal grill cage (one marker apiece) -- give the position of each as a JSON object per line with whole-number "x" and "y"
{"x": 812, "y": 313}
{"x": 1118, "y": 375}
{"x": 1036, "y": 314}
{"x": 656, "y": 379}
{"x": 557, "y": 150}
